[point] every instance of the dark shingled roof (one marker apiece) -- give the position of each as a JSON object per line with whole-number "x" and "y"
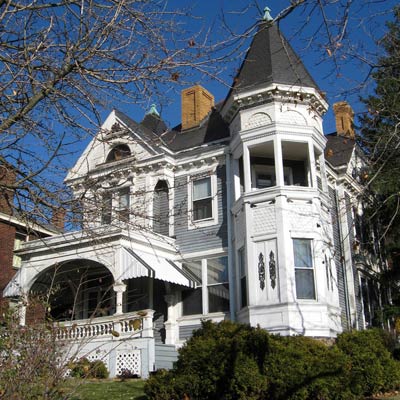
{"x": 338, "y": 150}
{"x": 212, "y": 128}
{"x": 154, "y": 123}
{"x": 154, "y": 131}
{"x": 271, "y": 59}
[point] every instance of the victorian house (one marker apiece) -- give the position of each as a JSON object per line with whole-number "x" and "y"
{"x": 245, "y": 211}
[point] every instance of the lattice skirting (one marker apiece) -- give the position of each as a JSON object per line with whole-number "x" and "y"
{"x": 128, "y": 361}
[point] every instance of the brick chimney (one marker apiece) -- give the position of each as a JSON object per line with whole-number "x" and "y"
{"x": 344, "y": 116}
{"x": 196, "y": 104}
{"x": 58, "y": 218}
{"x": 7, "y": 178}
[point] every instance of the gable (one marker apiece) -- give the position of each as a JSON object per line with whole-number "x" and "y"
{"x": 119, "y": 140}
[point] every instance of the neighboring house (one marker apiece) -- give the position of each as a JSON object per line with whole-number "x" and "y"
{"x": 15, "y": 230}
{"x": 245, "y": 211}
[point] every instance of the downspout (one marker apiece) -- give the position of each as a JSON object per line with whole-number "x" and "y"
{"x": 345, "y": 284}
{"x": 231, "y": 275}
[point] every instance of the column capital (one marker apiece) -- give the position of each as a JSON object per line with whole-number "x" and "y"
{"x": 119, "y": 287}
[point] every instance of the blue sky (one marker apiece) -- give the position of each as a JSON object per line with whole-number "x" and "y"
{"x": 345, "y": 77}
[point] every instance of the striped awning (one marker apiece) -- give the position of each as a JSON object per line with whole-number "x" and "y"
{"x": 136, "y": 264}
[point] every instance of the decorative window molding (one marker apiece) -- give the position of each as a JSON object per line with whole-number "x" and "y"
{"x": 202, "y": 201}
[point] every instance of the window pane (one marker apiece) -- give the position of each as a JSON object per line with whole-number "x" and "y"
{"x": 264, "y": 181}
{"x": 243, "y": 292}
{"x": 106, "y": 209}
{"x": 242, "y": 265}
{"x": 217, "y": 270}
{"x": 191, "y": 302}
{"x": 194, "y": 269}
{"x": 124, "y": 198}
{"x": 218, "y": 298}
{"x": 305, "y": 284}
{"x": 302, "y": 253}
{"x": 201, "y": 188}
{"x": 202, "y": 209}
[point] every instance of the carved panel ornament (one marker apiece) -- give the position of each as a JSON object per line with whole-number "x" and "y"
{"x": 261, "y": 271}
{"x": 272, "y": 269}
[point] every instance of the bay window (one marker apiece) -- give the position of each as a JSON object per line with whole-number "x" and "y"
{"x": 242, "y": 276}
{"x": 304, "y": 270}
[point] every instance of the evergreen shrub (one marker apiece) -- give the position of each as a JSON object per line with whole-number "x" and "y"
{"x": 373, "y": 368}
{"x": 231, "y": 361}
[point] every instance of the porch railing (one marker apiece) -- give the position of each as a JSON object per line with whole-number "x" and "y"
{"x": 133, "y": 324}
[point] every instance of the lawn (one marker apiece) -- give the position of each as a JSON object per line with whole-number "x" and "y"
{"x": 105, "y": 389}
{"x": 123, "y": 390}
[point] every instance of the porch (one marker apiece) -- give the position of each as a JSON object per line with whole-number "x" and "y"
{"x": 125, "y": 343}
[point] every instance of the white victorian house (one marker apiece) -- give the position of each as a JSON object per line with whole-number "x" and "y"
{"x": 245, "y": 211}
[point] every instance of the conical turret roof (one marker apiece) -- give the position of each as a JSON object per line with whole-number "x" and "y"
{"x": 271, "y": 59}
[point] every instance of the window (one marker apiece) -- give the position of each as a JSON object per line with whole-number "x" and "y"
{"x": 124, "y": 204}
{"x": 118, "y": 153}
{"x": 242, "y": 276}
{"x": 192, "y": 298}
{"x": 202, "y": 199}
{"x": 217, "y": 284}
{"x": 215, "y": 288}
{"x": 304, "y": 272}
{"x": 106, "y": 209}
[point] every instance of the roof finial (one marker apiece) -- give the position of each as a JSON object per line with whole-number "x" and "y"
{"x": 153, "y": 110}
{"x": 267, "y": 15}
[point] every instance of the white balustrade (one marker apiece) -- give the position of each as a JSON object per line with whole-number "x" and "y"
{"x": 133, "y": 324}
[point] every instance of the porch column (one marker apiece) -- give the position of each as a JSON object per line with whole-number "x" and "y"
{"x": 22, "y": 311}
{"x": 171, "y": 325}
{"x": 119, "y": 289}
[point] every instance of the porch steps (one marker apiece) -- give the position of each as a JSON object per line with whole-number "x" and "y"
{"x": 165, "y": 356}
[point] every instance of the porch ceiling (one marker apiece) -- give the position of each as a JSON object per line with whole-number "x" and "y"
{"x": 151, "y": 265}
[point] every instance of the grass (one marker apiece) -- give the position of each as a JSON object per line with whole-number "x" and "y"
{"x": 122, "y": 390}
{"x": 105, "y": 389}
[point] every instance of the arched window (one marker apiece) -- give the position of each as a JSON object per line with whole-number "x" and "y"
{"x": 161, "y": 208}
{"x": 118, "y": 153}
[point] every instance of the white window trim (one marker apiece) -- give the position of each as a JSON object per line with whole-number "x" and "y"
{"x": 312, "y": 243}
{"x": 214, "y": 202}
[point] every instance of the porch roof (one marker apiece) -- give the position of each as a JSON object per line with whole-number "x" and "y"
{"x": 141, "y": 264}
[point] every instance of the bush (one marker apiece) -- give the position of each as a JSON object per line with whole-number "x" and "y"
{"x": 304, "y": 368}
{"x": 232, "y": 361}
{"x": 373, "y": 368}
{"x": 83, "y": 368}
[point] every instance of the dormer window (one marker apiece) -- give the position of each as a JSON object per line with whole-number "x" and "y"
{"x": 118, "y": 153}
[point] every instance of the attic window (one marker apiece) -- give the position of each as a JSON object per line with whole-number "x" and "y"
{"x": 118, "y": 153}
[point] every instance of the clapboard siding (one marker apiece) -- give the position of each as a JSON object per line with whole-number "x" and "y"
{"x": 165, "y": 356}
{"x": 186, "y": 331}
{"x": 338, "y": 252}
{"x": 200, "y": 238}
{"x": 357, "y": 289}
